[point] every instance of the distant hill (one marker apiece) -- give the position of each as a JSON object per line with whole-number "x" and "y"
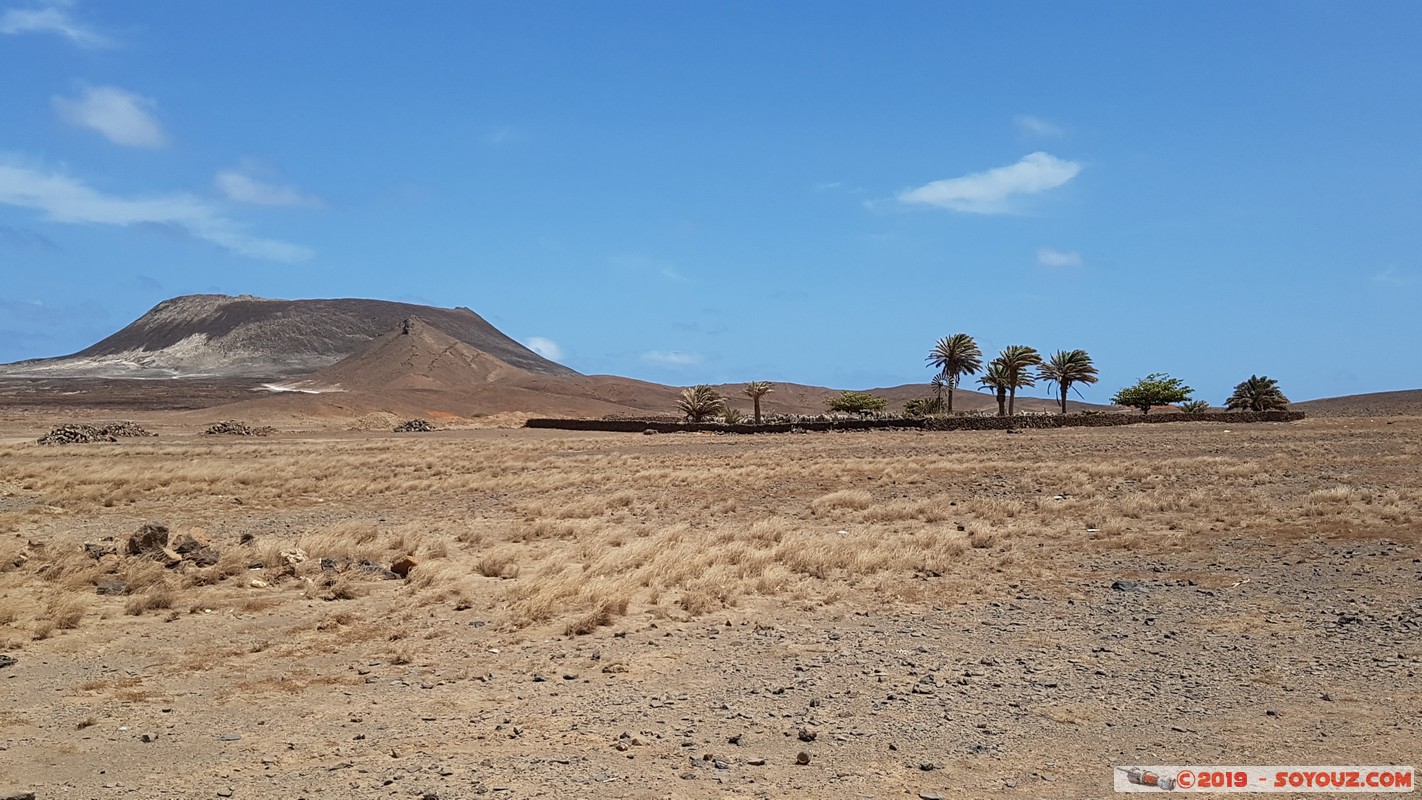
{"x": 1406, "y": 403}
{"x": 217, "y": 335}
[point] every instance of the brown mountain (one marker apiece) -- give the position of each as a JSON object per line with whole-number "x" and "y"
{"x": 218, "y": 335}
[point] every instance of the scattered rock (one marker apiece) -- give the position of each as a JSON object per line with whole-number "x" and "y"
{"x": 808, "y": 734}
{"x": 7, "y": 661}
{"x": 149, "y": 538}
{"x": 414, "y": 426}
{"x": 1125, "y": 586}
{"x": 15, "y": 794}
{"x": 403, "y": 565}
{"x": 98, "y": 551}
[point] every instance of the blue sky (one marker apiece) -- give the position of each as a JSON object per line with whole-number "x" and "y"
{"x": 704, "y": 192}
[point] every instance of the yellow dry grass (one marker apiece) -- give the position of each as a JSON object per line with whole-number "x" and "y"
{"x": 576, "y": 531}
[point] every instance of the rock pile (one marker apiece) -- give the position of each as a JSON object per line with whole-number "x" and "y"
{"x": 88, "y": 434}
{"x": 414, "y": 426}
{"x": 153, "y": 540}
{"x": 232, "y": 427}
{"x": 126, "y": 428}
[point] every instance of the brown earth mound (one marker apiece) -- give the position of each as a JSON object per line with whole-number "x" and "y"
{"x": 1378, "y": 404}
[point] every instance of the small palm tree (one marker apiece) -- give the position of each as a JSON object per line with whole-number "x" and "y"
{"x": 1066, "y": 367}
{"x": 699, "y": 402}
{"x": 1259, "y": 393}
{"x": 995, "y": 378}
{"x": 955, "y": 356}
{"x": 756, "y": 390}
{"x": 1194, "y": 407}
{"x": 1016, "y": 361}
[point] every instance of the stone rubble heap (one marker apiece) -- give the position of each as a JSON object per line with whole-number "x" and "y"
{"x": 414, "y": 426}
{"x": 232, "y": 427}
{"x": 88, "y": 434}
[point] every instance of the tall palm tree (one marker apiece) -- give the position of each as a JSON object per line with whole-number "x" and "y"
{"x": 699, "y": 402}
{"x": 1016, "y": 360}
{"x": 756, "y": 390}
{"x": 1066, "y": 367}
{"x": 1259, "y": 393}
{"x": 955, "y": 356}
{"x": 995, "y": 378}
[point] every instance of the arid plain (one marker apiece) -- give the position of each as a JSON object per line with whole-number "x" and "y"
{"x": 966, "y": 614}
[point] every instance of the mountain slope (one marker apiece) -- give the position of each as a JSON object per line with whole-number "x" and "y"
{"x": 207, "y": 335}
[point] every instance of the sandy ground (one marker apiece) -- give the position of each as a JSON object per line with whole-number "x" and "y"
{"x": 972, "y": 614}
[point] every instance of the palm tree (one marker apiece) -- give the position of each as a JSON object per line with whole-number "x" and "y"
{"x": 1259, "y": 393}
{"x": 1015, "y": 362}
{"x": 996, "y": 379}
{"x": 955, "y": 356}
{"x": 699, "y": 402}
{"x": 756, "y": 390}
{"x": 1065, "y": 368}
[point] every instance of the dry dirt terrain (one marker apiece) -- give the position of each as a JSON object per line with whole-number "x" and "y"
{"x": 969, "y": 614}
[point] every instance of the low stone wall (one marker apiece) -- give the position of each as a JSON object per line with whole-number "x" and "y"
{"x": 936, "y": 424}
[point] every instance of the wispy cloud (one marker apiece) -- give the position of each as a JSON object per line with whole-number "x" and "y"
{"x": 52, "y": 18}
{"x": 1052, "y": 257}
{"x": 544, "y": 347}
{"x": 122, "y": 117}
{"x": 65, "y": 199}
{"x": 1393, "y": 277}
{"x": 24, "y": 239}
{"x": 993, "y": 191}
{"x": 671, "y": 358}
{"x": 241, "y": 186}
{"x": 1037, "y": 126}
{"x": 502, "y": 134}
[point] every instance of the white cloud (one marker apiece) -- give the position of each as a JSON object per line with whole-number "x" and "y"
{"x": 1052, "y": 257}
{"x": 671, "y": 358}
{"x": 544, "y": 347}
{"x": 66, "y": 199}
{"x": 122, "y": 117}
{"x": 1037, "y": 126}
{"x": 51, "y": 19}
{"x": 993, "y": 191}
{"x": 239, "y": 186}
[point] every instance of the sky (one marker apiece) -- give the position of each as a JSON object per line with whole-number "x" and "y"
{"x": 713, "y": 192}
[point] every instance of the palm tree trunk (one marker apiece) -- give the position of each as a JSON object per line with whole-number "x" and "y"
{"x": 1064, "y": 398}
{"x": 1002, "y": 402}
{"x": 1012, "y": 401}
{"x": 950, "y": 399}
{"x": 756, "y": 400}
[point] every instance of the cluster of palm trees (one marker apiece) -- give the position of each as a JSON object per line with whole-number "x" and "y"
{"x": 700, "y": 402}
{"x": 1017, "y": 366}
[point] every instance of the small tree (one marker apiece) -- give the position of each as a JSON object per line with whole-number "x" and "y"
{"x": 955, "y": 356}
{"x": 1015, "y": 361}
{"x": 1259, "y": 393}
{"x": 857, "y": 403}
{"x": 1066, "y": 367}
{"x": 699, "y": 402}
{"x": 1194, "y": 407}
{"x": 732, "y": 416}
{"x": 1156, "y": 389}
{"x": 923, "y": 407}
{"x": 995, "y": 378}
{"x": 756, "y": 390}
